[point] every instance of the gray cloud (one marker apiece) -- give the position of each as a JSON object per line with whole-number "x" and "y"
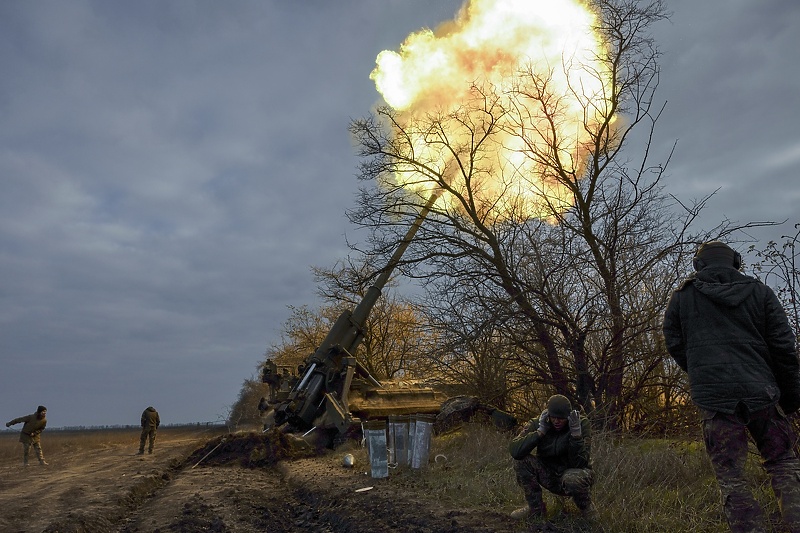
{"x": 169, "y": 172}
{"x": 733, "y": 93}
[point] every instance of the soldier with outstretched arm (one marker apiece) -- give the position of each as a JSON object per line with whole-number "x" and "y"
{"x": 32, "y": 428}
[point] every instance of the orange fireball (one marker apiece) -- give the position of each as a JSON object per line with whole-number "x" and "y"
{"x": 530, "y": 75}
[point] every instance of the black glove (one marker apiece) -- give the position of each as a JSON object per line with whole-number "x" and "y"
{"x": 8, "y": 424}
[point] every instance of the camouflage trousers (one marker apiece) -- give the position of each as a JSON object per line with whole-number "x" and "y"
{"x": 26, "y": 449}
{"x": 533, "y": 475}
{"x": 148, "y": 434}
{"x": 726, "y": 442}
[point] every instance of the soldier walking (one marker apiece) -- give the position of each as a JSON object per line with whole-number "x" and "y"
{"x": 150, "y": 423}
{"x": 32, "y": 428}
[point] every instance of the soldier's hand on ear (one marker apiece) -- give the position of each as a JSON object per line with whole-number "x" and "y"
{"x": 544, "y": 422}
{"x": 574, "y": 423}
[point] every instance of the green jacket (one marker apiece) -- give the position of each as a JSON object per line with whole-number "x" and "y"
{"x": 32, "y": 428}
{"x": 150, "y": 418}
{"x": 557, "y": 450}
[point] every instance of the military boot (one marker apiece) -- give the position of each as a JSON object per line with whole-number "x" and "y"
{"x": 530, "y": 512}
{"x": 587, "y": 508}
{"x": 589, "y": 513}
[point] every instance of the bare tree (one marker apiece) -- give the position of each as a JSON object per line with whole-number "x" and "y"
{"x": 469, "y": 347}
{"x": 570, "y": 300}
{"x": 778, "y": 265}
{"x": 244, "y": 412}
{"x": 302, "y": 332}
{"x": 393, "y": 339}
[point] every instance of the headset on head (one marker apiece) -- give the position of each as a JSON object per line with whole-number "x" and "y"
{"x": 699, "y": 264}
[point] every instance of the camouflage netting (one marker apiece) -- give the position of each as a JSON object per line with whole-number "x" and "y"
{"x": 253, "y": 450}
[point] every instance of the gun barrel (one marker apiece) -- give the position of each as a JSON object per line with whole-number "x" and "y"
{"x": 363, "y": 309}
{"x": 323, "y": 372}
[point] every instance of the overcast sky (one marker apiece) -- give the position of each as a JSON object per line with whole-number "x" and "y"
{"x": 170, "y": 171}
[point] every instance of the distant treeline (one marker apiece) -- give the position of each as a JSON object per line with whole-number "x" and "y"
{"x": 119, "y": 427}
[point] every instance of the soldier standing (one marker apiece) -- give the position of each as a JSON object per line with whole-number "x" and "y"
{"x": 271, "y": 377}
{"x": 32, "y": 428}
{"x": 729, "y": 332}
{"x": 150, "y": 423}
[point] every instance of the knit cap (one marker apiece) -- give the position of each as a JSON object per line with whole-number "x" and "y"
{"x": 715, "y": 253}
{"x": 558, "y": 406}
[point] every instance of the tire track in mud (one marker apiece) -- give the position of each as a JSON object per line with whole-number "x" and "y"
{"x": 250, "y": 483}
{"x": 239, "y": 499}
{"x": 94, "y": 479}
{"x": 106, "y": 517}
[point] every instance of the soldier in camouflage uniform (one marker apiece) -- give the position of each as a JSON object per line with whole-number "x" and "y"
{"x": 150, "y": 423}
{"x": 32, "y": 428}
{"x": 731, "y": 334}
{"x": 562, "y": 462}
{"x": 271, "y": 377}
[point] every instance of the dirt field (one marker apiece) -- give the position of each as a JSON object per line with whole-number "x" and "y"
{"x": 241, "y": 485}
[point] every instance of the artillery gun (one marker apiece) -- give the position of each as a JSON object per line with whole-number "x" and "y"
{"x": 335, "y": 392}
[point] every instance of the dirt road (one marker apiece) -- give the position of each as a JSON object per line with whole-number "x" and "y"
{"x": 111, "y": 489}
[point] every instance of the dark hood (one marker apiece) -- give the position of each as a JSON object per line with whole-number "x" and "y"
{"x": 724, "y": 285}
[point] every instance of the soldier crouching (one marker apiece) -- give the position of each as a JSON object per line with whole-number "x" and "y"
{"x": 562, "y": 461}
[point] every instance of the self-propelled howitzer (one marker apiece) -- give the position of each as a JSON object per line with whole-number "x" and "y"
{"x": 322, "y": 396}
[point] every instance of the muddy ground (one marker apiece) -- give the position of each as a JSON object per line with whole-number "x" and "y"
{"x": 243, "y": 483}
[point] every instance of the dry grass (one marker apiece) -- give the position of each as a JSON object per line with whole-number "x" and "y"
{"x": 655, "y": 485}
{"x": 641, "y": 486}
{"x": 58, "y": 443}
